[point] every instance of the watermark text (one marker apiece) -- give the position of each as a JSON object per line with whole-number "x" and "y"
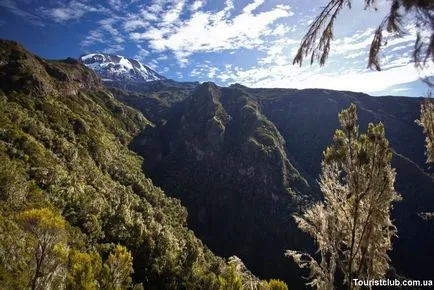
{"x": 393, "y": 283}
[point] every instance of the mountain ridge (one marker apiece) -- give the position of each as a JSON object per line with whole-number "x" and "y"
{"x": 306, "y": 121}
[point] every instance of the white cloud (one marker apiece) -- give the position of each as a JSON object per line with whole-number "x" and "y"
{"x": 156, "y": 7}
{"x": 280, "y": 30}
{"x": 108, "y": 25}
{"x": 94, "y": 36}
{"x": 210, "y": 32}
{"x": 345, "y": 70}
{"x": 288, "y": 76}
{"x": 115, "y": 4}
{"x": 14, "y": 9}
{"x": 366, "y": 81}
{"x": 196, "y": 5}
{"x": 356, "y": 55}
{"x": 212, "y": 72}
{"x": 162, "y": 57}
{"x": 205, "y": 71}
{"x": 195, "y": 72}
{"x": 142, "y": 19}
{"x": 153, "y": 64}
{"x": 113, "y": 48}
{"x": 172, "y": 15}
{"x": 141, "y": 54}
{"x": 279, "y": 52}
{"x": 135, "y": 23}
{"x": 182, "y": 29}
{"x": 72, "y": 11}
{"x": 252, "y": 6}
{"x": 107, "y": 34}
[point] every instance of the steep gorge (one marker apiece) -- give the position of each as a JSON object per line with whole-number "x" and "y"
{"x": 226, "y": 162}
{"x": 244, "y": 160}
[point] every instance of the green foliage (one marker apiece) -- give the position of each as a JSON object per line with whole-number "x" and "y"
{"x": 48, "y": 231}
{"x": 41, "y": 223}
{"x": 12, "y": 181}
{"x": 117, "y": 269}
{"x": 67, "y": 177}
{"x": 427, "y": 123}
{"x": 16, "y": 255}
{"x": 273, "y": 284}
{"x": 86, "y": 270}
{"x": 83, "y": 270}
{"x": 231, "y": 280}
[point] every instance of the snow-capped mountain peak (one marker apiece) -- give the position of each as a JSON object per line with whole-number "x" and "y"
{"x": 118, "y": 68}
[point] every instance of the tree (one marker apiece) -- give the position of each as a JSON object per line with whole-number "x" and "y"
{"x": 273, "y": 284}
{"x": 117, "y": 269}
{"x": 48, "y": 228}
{"x": 13, "y": 184}
{"x": 352, "y": 226}
{"x": 231, "y": 281}
{"x": 15, "y": 255}
{"x": 86, "y": 271}
{"x": 401, "y": 12}
{"x": 83, "y": 270}
{"x": 427, "y": 123}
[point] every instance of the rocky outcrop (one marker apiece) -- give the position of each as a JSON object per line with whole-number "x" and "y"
{"x": 23, "y": 71}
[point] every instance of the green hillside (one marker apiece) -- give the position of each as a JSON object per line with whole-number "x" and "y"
{"x": 71, "y": 190}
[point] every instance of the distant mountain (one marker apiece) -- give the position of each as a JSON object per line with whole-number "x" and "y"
{"x": 115, "y": 68}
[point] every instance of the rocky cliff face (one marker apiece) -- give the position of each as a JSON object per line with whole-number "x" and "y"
{"x": 226, "y": 162}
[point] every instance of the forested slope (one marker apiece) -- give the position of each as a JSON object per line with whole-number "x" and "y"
{"x": 71, "y": 190}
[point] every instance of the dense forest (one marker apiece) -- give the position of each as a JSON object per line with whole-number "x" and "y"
{"x": 76, "y": 210}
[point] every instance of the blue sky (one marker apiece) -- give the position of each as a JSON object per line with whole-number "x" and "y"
{"x": 251, "y": 42}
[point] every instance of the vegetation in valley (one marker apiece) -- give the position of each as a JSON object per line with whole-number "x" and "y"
{"x": 226, "y": 162}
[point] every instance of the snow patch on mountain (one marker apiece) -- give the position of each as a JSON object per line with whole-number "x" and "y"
{"x": 118, "y": 68}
